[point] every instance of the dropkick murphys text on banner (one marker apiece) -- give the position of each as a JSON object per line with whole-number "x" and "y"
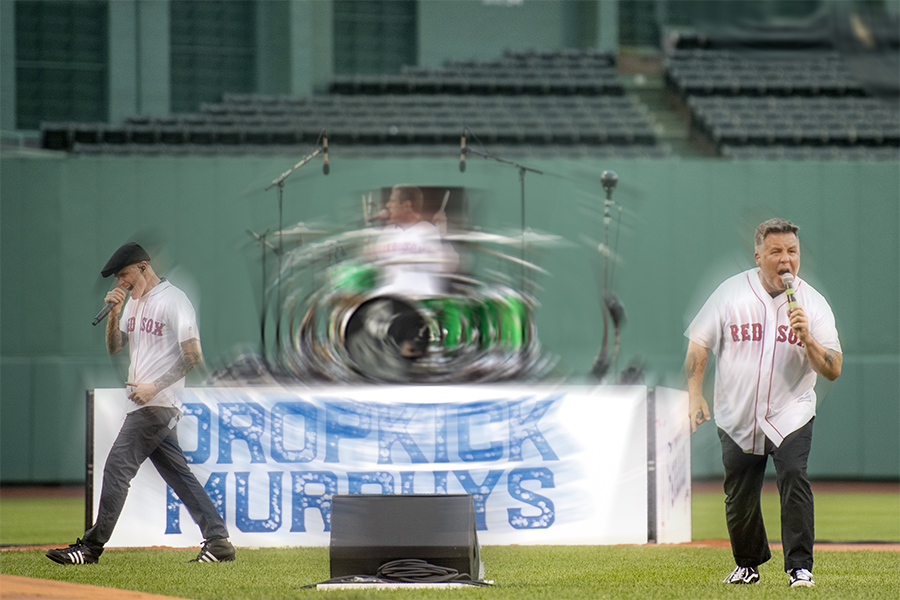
{"x": 542, "y": 465}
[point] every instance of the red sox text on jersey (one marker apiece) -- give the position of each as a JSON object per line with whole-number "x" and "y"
{"x": 147, "y": 326}
{"x": 753, "y": 332}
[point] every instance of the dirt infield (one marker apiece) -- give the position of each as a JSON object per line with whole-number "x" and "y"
{"x": 13, "y": 587}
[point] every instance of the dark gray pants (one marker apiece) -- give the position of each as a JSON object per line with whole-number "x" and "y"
{"x": 150, "y": 432}
{"x": 744, "y": 475}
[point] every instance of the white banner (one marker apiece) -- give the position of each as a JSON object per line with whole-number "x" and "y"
{"x": 545, "y": 465}
{"x": 673, "y": 467}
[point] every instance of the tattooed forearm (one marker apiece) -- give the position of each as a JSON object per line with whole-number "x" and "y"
{"x": 690, "y": 365}
{"x": 695, "y": 361}
{"x": 115, "y": 338}
{"x": 824, "y": 361}
{"x": 191, "y": 357}
{"x": 695, "y": 365}
{"x": 178, "y": 370}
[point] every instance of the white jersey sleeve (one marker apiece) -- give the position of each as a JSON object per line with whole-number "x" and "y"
{"x": 706, "y": 328}
{"x": 822, "y": 326}
{"x": 183, "y": 319}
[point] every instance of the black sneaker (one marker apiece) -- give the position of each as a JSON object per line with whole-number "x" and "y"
{"x": 743, "y": 575}
{"x": 219, "y": 550}
{"x": 76, "y": 554}
{"x": 801, "y": 578}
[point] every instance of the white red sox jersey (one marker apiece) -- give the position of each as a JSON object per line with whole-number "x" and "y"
{"x": 420, "y": 244}
{"x": 764, "y": 382}
{"x": 156, "y": 325}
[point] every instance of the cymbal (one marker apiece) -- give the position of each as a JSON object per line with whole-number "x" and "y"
{"x": 297, "y": 231}
{"x": 414, "y": 260}
{"x": 480, "y": 237}
{"x": 529, "y": 237}
{"x": 518, "y": 261}
{"x": 356, "y": 234}
{"x": 548, "y": 239}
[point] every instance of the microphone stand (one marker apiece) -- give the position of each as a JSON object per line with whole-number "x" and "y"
{"x": 611, "y": 303}
{"x": 522, "y": 170}
{"x": 279, "y": 182}
{"x": 263, "y": 242}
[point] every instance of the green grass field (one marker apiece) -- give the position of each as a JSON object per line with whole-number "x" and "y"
{"x": 519, "y": 572}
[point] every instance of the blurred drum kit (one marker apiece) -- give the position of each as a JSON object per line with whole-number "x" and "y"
{"x": 333, "y": 325}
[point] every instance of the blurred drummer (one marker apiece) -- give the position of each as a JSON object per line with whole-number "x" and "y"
{"x": 412, "y": 247}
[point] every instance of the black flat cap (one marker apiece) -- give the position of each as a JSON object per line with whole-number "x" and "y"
{"x": 128, "y": 254}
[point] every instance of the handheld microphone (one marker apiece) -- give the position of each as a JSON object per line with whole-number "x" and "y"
{"x": 788, "y": 280}
{"x": 102, "y": 314}
{"x": 383, "y": 215}
{"x": 462, "y": 152}
{"x": 325, "y": 168}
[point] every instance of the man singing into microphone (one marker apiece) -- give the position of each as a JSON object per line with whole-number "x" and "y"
{"x": 767, "y": 358}
{"x": 160, "y": 328}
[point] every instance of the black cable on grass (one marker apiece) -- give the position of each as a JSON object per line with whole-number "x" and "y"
{"x": 419, "y": 571}
{"x": 412, "y": 570}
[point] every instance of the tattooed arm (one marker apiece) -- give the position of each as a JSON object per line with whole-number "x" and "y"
{"x": 191, "y": 356}
{"x": 115, "y": 338}
{"x": 694, "y": 367}
{"x": 824, "y": 361}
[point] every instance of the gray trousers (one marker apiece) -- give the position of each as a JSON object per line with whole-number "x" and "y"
{"x": 744, "y": 475}
{"x": 150, "y": 432}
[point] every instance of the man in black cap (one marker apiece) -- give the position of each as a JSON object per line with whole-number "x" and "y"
{"x": 160, "y": 328}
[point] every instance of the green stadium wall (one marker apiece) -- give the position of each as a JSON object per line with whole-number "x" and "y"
{"x": 686, "y": 225}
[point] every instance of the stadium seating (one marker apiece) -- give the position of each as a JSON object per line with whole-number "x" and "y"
{"x": 795, "y": 97}
{"x": 531, "y": 73}
{"x": 698, "y": 72}
{"x": 796, "y": 121}
{"x": 530, "y": 103}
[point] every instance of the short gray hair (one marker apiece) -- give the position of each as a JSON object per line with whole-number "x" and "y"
{"x": 773, "y": 226}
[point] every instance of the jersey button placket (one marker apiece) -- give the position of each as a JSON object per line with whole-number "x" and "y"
{"x": 766, "y": 364}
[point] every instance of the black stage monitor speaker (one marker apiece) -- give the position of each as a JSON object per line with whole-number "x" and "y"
{"x": 370, "y": 530}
